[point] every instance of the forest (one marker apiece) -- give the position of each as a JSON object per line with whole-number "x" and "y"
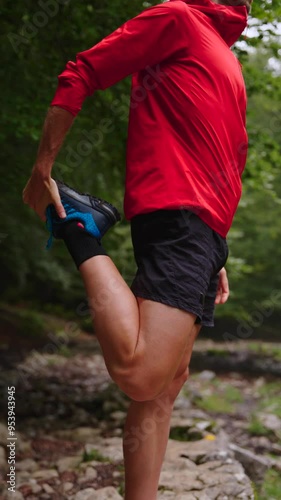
{"x": 37, "y": 42}
{"x": 41, "y": 290}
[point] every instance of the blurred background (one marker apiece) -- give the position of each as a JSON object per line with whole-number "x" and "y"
{"x": 43, "y": 310}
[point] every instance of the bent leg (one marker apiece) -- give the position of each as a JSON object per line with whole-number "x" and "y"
{"x": 142, "y": 341}
{"x": 147, "y": 431}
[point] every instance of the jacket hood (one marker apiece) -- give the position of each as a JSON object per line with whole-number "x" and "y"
{"x": 229, "y": 21}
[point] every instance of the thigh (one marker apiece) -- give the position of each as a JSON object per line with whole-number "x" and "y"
{"x": 165, "y": 341}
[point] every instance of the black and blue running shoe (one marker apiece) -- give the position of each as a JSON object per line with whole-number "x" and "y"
{"x": 94, "y": 214}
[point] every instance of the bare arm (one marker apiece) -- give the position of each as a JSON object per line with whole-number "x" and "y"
{"x": 41, "y": 189}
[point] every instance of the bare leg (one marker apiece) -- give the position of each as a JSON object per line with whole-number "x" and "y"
{"x": 133, "y": 334}
{"x": 147, "y": 432}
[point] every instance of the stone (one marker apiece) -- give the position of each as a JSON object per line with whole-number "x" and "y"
{"x": 3, "y": 459}
{"x": 255, "y": 466}
{"x": 178, "y": 421}
{"x": 209, "y": 465}
{"x": 270, "y": 421}
{"x": 166, "y": 495}
{"x": 13, "y": 496}
{"x": 119, "y": 416}
{"x": 92, "y": 463}
{"x": 36, "y": 488}
{"x": 67, "y": 486}
{"x": 22, "y": 477}
{"x": 206, "y": 375}
{"x": 47, "y": 488}
{"x": 108, "y": 447}
{"x": 3, "y": 434}
{"x": 28, "y": 464}
{"x": 26, "y": 489}
{"x": 108, "y": 493}
{"x": 24, "y": 447}
{"x": 180, "y": 481}
{"x": 85, "y": 434}
{"x": 67, "y": 463}
{"x": 204, "y": 425}
{"x": 200, "y": 451}
{"x": 45, "y": 474}
{"x": 91, "y": 473}
{"x": 179, "y": 463}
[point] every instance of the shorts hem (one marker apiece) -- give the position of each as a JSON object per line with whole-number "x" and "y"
{"x": 168, "y": 302}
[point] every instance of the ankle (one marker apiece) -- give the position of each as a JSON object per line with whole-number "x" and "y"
{"x": 80, "y": 244}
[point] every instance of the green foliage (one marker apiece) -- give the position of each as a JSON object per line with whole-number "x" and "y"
{"x": 271, "y": 487}
{"x": 32, "y": 57}
{"x": 256, "y": 428}
{"x": 94, "y": 455}
{"x": 270, "y": 398}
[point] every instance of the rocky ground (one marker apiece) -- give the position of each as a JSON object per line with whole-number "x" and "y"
{"x": 225, "y": 434}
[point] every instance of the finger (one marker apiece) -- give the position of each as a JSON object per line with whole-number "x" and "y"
{"x": 225, "y": 288}
{"x": 60, "y": 209}
{"x": 218, "y": 296}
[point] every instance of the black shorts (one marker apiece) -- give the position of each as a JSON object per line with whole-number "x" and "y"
{"x": 178, "y": 258}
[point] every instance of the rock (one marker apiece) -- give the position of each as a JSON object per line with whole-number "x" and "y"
{"x": 36, "y": 488}
{"x": 270, "y": 421}
{"x": 28, "y": 464}
{"x": 67, "y": 463}
{"x": 92, "y": 463}
{"x": 178, "y": 421}
{"x": 13, "y": 496}
{"x": 165, "y": 495}
{"x": 68, "y": 476}
{"x": 206, "y": 375}
{"x": 24, "y": 446}
{"x": 3, "y": 434}
{"x": 201, "y": 450}
{"x": 119, "y": 416}
{"x": 222, "y": 477}
{"x": 254, "y": 465}
{"x": 3, "y": 460}
{"x": 179, "y": 463}
{"x": 67, "y": 486}
{"x": 204, "y": 425}
{"x": 85, "y": 434}
{"x": 47, "y": 488}
{"x": 180, "y": 481}
{"x": 26, "y": 489}
{"x": 90, "y": 474}
{"x": 108, "y": 447}
{"x": 108, "y": 493}
{"x": 22, "y": 477}
{"x": 276, "y": 449}
{"x": 45, "y": 474}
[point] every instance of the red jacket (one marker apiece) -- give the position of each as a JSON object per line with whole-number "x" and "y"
{"x": 187, "y": 142}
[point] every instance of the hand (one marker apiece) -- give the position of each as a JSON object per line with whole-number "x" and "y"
{"x": 223, "y": 288}
{"x": 39, "y": 193}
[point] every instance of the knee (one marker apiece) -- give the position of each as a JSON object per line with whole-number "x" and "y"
{"x": 142, "y": 386}
{"x": 139, "y": 385}
{"x": 176, "y": 385}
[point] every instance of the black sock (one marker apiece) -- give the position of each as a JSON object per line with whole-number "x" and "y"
{"x": 80, "y": 244}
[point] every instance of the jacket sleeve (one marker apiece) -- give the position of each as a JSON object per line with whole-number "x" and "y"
{"x": 146, "y": 40}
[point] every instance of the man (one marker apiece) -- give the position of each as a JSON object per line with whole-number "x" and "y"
{"x": 187, "y": 147}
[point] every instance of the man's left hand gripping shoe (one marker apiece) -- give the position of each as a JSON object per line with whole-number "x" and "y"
{"x": 96, "y": 215}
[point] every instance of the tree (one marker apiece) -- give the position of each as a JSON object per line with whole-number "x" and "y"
{"x": 37, "y": 40}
